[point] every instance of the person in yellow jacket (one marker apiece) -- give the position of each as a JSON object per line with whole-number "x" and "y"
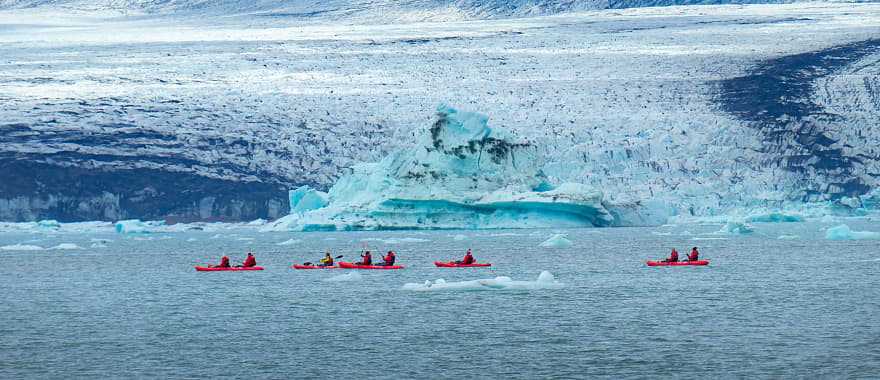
{"x": 327, "y": 261}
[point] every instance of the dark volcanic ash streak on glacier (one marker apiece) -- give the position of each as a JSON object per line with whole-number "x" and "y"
{"x": 802, "y": 134}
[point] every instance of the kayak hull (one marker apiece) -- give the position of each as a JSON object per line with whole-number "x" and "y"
{"x": 229, "y": 269}
{"x": 454, "y": 265}
{"x": 346, "y": 265}
{"x": 299, "y": 266}
{"x": 678, "y": 263}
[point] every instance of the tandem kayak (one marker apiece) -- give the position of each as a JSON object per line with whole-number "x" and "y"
{"x": 456, "y": 265}
{"x": 300, "y": 266}
{"x": 677, "y": 263}
{"x": 345, "y": 265}
{"x": 232, "y": 269}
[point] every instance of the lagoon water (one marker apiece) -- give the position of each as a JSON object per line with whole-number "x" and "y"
{"x": 765, "y": 307}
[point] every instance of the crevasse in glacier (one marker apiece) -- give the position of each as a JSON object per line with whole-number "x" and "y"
{"x": 460, "y": 174}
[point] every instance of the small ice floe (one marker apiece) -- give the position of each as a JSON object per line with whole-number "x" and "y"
{"x": 843, "y": 232}
{"x": 736, "y": 228}
{"x": 352, "y": 276}
{"x": 244, "y": 239}
{"x": 289, "y": 242}
{"x": 788, "y": 237}
{"x": 459, "y": 237}
{"x": 397, "y": 240}
{"x": 66, "y": 246}
{"x": 21, "y": 247}
{"x": 557, "y": 241}
{"x": 544, "y": 281}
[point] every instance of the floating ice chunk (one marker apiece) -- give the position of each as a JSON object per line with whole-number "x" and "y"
{"x": 709, "y": 238}
{"x": 459, "y": 237}
{"x": 557, "y": 241}
{"x": 828, "y": 219}
{"x": 397, "y": 240}
{"x": 289, "y": 242}
{"x": 736, "y": 228}
{"x": 257, "y": 222}
{"x": 351, "y": 276}
{"x": 788, "y": 237}
{"x": 49, "y": 224}
{"x": 192, "y": 239}
{"x": 66, "y": 246}
{"x": 217, "y": 236}
{"x": 21, "y": 247}
{"x": 775, "y": 217}
{"x": 245, "y": 239}
{"x": 843, "y": 232}
{"x": 98, "y": 245}
{"x": 545, "y": 280}
{"x": 135, "y": 226}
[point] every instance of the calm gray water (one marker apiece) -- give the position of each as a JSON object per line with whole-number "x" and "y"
{"x": 764, "y": 308}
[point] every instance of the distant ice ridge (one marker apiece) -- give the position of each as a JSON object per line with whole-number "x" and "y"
{"x": 545, "y": 280}
{"x": 462, "y": 174}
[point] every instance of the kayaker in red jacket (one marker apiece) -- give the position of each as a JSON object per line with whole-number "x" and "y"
{"x": 224, "y": 263}
{"x": 694, "y": 255}
{"x": 673, "y": 257}
{"x": 389, "y": 259}
{"x": 250, "y": 261}
{"x": 366, "y": 259}
{"x": 468, "y": 258}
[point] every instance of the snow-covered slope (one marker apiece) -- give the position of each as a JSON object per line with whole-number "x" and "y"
{"x": 346, "y": 10}
{"x": 692, "y": 110}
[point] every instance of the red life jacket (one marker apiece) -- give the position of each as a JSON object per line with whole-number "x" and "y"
{"x": 694, "y": 256}
{"x": 468, "y": 259}
{"x": 250, "y": 261}
{"x": 673, "y": 257}
{"x": 389, "y": 258}
{"x": 224, "y": 262}
{"x": 368, "y": 259}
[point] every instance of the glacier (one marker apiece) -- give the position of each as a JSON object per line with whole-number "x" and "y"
{"x": 686, "y": 112}
{"x": 462, "y": 174}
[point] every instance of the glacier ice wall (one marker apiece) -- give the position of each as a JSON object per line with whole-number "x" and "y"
{"x": 690, "y": 111}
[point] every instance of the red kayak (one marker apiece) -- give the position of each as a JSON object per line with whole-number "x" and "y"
{"x": 456, "y": 265}
{"x": 343, "y": 264}
{"x": 300, "y": 266}
{"x": 232, "y": 269}
{"x": 677, "y": 263}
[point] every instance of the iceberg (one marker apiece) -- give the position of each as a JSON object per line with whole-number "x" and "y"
{"x": 843, "y": 232}
{"x": 557, "y": 241}
{"x": 545, "y": 280}
{"x": 736, "y": 228}
{"x": 135, "y": 226}
{"x": 775, "y": 217}
{"x": 461, "y": 174}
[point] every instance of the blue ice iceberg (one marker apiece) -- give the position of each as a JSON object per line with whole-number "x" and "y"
{"x": 843, "y": 232}
{"x": 135, "y": 226}
{"x": 462, "y": 174}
